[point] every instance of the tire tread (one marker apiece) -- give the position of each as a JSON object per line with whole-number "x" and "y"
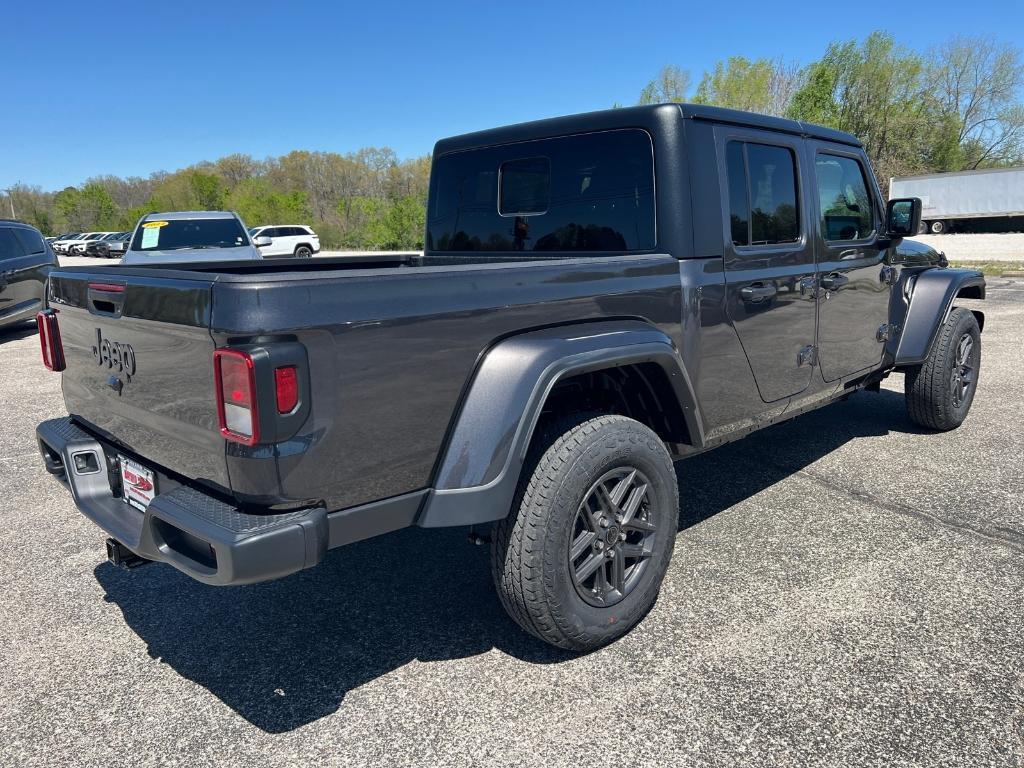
{"x": 518, "y": 553}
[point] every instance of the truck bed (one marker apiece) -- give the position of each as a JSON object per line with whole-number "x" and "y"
{"x": 392, "y": 342}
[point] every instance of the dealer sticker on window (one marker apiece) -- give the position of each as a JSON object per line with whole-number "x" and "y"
{"x": 138, "y": 484}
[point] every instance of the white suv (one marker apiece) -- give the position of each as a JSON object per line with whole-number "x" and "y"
{"x": 287, "y": 240}
{"x": 77, "y": 247}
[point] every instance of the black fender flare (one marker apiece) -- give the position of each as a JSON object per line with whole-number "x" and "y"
{"x": 930, "y": 302}
{"x": 479, "y": 468}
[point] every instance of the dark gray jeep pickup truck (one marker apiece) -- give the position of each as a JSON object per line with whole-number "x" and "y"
{"x": 599, "y": 295}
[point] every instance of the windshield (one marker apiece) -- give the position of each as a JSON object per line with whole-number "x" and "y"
{"x": 159, "y": 235}
{"x": 254, "y": 230}
{"x": 95, "y": 236}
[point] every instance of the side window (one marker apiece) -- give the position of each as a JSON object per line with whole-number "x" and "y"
{"x": 763, "y": 205}
{"x": 30, "y": 240}
{"x": 10, "y": 246}
{"x": 270, "y": 232}
{"x": 739, "y": 205}
{"x": 846, "y": 210}
{"x": 296, "y": 231}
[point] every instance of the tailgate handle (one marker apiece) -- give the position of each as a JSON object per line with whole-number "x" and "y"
{"x": 106, "y": 298}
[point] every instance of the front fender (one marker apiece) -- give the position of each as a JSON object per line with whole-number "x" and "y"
{"x": 931, "y": 301}
{"x": 480, "y": 467}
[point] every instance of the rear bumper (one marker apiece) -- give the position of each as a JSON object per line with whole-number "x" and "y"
{"x": 200, "y": 535}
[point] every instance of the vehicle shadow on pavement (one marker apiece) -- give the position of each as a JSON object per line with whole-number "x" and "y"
{"x": 17, "y": 331}
{"x": 286, "y": 653}
{"x": 714, "y": 481}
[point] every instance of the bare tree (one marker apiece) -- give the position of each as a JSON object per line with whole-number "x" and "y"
{"x": 977, "y": 81}
{"x": 671, "y": 85}
{"x": 786, "y": 79}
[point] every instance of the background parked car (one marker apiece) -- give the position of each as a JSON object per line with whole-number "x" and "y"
{"x": 78, "y": 249}
{"x": 114, "y": 243}
{"x": 296, "y": 240}
{"x": 68, "y": 244}
{"x": 192, "y": 236}
{"x": 61, "y": 241}
{"x": 25, "y": 262}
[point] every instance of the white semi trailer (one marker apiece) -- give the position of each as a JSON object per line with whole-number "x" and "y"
{"x": 951, "y": 198}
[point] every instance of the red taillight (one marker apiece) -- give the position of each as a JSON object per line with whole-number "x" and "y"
{"x": 49, "y": 340}
{"x": 236, "y": 396}
{"x": 286, "y": 382}
{"x": 107, "y": 287}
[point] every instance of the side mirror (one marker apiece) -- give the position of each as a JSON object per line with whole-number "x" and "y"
{"x": 263, "y": 240}
{"x": 903, "y": 217}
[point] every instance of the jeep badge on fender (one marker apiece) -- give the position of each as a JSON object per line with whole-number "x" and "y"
{"x": 115, "y": 355}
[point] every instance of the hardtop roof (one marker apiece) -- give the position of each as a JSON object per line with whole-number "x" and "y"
{"x": 184, "y": 215}
{"x": 632, "y": 117}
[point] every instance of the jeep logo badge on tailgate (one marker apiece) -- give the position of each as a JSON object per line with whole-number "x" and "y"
{"x": 115, "y": 355}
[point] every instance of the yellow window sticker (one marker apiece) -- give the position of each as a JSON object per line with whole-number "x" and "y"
{"x": 154, "y": 224}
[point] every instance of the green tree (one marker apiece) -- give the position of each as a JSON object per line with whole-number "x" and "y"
{"x": 763, "y": 85}
{"x": 874, "y": 90}
{"x": 258, "y": 203}
{"x": 88, "y": 208}
{"x": 188, "y": 190}
{"x": 737, "y": 83}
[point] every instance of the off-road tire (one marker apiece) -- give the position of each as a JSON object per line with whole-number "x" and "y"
{"x": 530, "y": 549}
{"x": 930, "y": 387}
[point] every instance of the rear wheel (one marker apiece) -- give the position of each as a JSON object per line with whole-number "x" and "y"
{"x": 303, "y": 252}
{"x": 580, "y": 560}
{"x": 938, "y": 227}
{"x": 940, "y": 391}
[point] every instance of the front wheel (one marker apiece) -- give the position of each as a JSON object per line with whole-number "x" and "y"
{"x": 579, "y": 561}
{"x": 938, "y": 227}
{"x": 940, "y": 391}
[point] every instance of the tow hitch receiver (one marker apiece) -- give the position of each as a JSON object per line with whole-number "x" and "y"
{"x": 118, "y": 554}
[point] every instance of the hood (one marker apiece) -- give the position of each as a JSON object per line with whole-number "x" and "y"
{"x": 190, "y": 255}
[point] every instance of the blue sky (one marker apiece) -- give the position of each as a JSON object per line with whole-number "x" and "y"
{"x": 123, "y": 88}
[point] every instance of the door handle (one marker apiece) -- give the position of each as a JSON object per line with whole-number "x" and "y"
{"x": 757, "y": 292}
{"x": 834, "y": 280}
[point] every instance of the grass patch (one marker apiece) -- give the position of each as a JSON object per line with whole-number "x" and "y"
{"x": 990, "y": 268}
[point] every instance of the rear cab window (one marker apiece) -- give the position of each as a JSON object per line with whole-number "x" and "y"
{"x": 589, "y": 193}
{"x": 764, "y": 204}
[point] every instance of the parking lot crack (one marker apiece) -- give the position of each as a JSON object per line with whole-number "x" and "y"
{"x": 1004, "y": 536}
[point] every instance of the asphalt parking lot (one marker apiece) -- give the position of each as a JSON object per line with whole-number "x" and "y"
{"x": 846, "y": 590}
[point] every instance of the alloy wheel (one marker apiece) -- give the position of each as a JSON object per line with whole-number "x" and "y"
{"x": 963, "y": 370}
{"x": 612, "y": 537}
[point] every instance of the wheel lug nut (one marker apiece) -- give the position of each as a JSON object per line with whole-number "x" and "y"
{"x": 604, "y": 522}
{"x": 622, "y": 536}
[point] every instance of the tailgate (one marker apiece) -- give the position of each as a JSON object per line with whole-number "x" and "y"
{"x": 139, "y": 359}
